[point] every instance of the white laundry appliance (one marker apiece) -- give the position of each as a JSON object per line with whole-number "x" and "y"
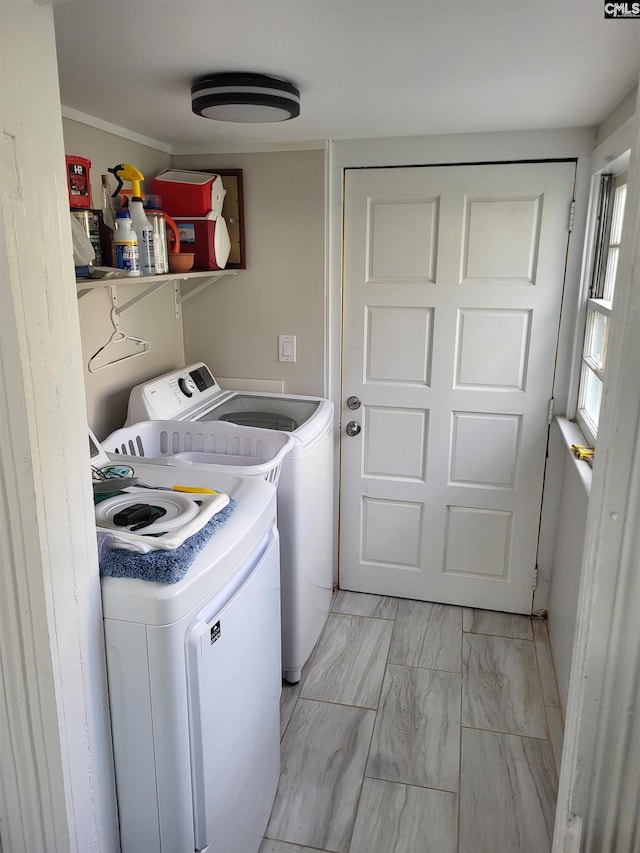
{"x": 305, "y": 488}
{"x": 194, "y": 672}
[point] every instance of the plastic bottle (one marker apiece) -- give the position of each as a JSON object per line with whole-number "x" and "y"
{"x": 108, "y": 225}
{"x": 157, "y": 220}
{"x": 144, "y": 233}
{"x": 126, "y": 244}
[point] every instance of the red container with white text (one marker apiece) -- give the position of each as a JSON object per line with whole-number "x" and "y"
{"x": 78, "y": 181}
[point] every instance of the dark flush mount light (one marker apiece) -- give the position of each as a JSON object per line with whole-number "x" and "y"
{"x": 244, "y": 97}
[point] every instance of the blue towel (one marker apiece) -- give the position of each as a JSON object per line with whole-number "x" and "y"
{"x": 163, "y": 566}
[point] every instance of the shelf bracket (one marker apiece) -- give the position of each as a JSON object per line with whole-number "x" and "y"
{"x": 140, "y": 296}
{"x": 183, "y": 297}
{"x": 176, "y": 299}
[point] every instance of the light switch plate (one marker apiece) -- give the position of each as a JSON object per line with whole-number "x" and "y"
{"x": 286, "y": 348}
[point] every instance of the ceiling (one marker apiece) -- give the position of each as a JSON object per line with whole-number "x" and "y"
{"x": 364, "y": 68}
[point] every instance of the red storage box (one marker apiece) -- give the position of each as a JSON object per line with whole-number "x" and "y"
{"x": 207, "y": 237}
{"x": 187, "y": 193}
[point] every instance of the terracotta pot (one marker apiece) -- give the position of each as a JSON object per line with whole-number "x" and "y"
{"x": 180, "y": 261}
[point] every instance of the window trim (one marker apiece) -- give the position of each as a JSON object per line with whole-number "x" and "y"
{"x": 603, "y": 207}
{"x": 602, "y": 227}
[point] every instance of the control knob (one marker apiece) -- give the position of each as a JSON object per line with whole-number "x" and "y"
{"x": 186, "y": 386}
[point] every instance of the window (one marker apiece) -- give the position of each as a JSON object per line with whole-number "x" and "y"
{"x": 613, "y": 193}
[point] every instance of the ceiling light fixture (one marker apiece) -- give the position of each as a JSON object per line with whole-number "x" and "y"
{"x": 244, "y": 97}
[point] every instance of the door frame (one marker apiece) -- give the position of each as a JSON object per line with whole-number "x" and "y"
{"x": 467, "y": 149}
{"x": 56, "y": 777}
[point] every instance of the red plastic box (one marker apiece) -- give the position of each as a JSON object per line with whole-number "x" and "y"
{"x": 186, "y": 193}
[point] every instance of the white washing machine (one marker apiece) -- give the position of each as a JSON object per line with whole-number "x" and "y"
{"x": 305, "y": 489}
{"x": 194, "y": 671}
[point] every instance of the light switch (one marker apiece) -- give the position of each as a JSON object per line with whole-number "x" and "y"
{"x": 286, "y": 347}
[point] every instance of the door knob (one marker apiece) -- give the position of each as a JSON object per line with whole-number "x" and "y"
{"x": 353, "y": 428}
{"x": 353, "y": 403}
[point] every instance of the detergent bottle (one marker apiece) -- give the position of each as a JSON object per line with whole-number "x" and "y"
{"x": 126, "y": 244}
{"x": 141, "y": 225}
{"x": 144, "y": 230}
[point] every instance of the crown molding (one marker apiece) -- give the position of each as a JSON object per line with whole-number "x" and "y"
{"x": 116, "y": 130}
{"x": 250, "y": 147}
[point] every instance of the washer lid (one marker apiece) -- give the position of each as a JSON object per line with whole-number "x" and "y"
{"x": 292, "y": 411}
{"x": 308, "y": 418}
{"x": 160, "y": 604}
{"x": 264, "y": 420}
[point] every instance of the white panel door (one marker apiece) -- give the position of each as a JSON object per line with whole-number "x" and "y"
{"x": 453, "y": 280}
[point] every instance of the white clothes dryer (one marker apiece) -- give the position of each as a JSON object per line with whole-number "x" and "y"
{"x": 194, "y": 672}
{"x": 305, "y": 488}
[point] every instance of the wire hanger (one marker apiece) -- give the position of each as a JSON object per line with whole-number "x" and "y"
{"x": 111, "y": 352}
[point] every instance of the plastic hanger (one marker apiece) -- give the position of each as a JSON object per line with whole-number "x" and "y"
{"x": 110, "y": 353}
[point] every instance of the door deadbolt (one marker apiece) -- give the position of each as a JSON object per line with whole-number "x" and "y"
{"x": 353, "y": 428}
{"x": 353, "y": 403}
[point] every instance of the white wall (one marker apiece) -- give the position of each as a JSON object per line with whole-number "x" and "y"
{"x": 617, "y": 118}
{"x": 234, "y": 325}
{"x": 568, "y": 484}
{"x": 152, "y": 319}
{"x": 568, "y": 549}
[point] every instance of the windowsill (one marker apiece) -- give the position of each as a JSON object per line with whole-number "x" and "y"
{"x": 571, "y": 434}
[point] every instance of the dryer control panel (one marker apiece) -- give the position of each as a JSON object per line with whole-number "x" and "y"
{"x": 174, "y": 395}
{"x": 196, "y": 382}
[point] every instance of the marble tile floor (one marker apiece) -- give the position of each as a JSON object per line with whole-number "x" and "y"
{"x": 419, "y": 728}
